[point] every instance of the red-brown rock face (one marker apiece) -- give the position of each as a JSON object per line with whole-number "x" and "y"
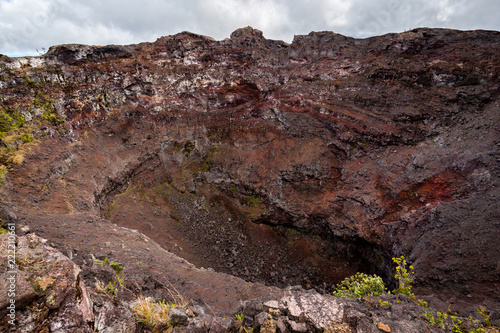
{"x": 288, "y": 164}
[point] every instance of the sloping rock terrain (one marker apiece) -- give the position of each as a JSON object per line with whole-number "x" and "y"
{"x": 52, "y": 297}
{"x": 268, "y": 164}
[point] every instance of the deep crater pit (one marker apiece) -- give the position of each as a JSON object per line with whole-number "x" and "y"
{"x": 227, "y": 229}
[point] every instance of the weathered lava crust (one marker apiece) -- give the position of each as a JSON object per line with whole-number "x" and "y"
{"x": 281, "y": 164}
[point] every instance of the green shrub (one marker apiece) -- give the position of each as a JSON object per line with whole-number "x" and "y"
{"x": 360, "y": 285}
{"x": 404, "y": 276}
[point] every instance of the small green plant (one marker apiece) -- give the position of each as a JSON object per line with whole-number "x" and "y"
{"x": 103, "y": 263}
{"x": 167, "y": 304}
{"x": 436, "y": 321}
{"x": 453, "y": 323}
{"x": 430, "y": 318}
{"x": 111, "y": 288}
{"x": 456, "y": 327}
{"x": 422, "y": 304}
{"x": 360, "y": 285}
{"x": 3, "y": 231}
{"x": 486, "y": 317}
{"x": 155, "y": 315}
{"x": 384, "y": 302}
{"x": 120, "y": 280}
{"x": 240, "y": 316}
{"x": 404, "y": 276}
{"x": 440, "y": 319}
{"x": 116, "y": 267}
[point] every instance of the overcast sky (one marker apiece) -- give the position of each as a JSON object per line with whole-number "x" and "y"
{"x": 30, "y": 25}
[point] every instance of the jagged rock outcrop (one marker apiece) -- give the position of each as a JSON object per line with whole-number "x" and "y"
{"x": 283, "y": 164}
{"x": 47, "y": 290}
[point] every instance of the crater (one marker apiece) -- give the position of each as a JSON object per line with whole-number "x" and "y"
{"x": 228, "y": 230}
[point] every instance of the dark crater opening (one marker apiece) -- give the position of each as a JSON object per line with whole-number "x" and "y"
{"x": 215, "y": 229}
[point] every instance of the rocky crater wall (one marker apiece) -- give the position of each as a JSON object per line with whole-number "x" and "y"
{"x": 280, "y": 164}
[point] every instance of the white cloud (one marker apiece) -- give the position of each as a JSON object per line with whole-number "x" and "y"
{"x": 335, "y": 13}
{"x": 27, "y": 25}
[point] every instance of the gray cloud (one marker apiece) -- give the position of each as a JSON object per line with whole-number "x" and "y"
{"x": 28, "y": 25}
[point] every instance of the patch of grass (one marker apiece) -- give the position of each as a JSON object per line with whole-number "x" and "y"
{"x": 3, "y": 173}
{"x": 14, "y": 136}
{"x": 26, "y": 137}
{"x": 47, "y": 105}
{"x": 28, "y": 81}
{"x": 3, "y": 231}
{"x": 153, "y": 315}
{"x": 53, "y": 118}
{"x": 252, "y": 201}
{"x": 11, "y": 119}
{"x": 17, "y": 158}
